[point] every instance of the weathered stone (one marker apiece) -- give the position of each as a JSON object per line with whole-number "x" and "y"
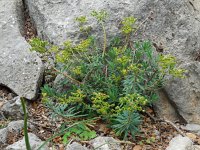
{"x": 180, "y": 143}
{"x": 20, "y": 69}
{"x": 196, "y": 147}
{"x": 105, "y": 143}
{"x": 55, "y": 19}
{"x": 35, "y": 142}
{"x": 163, "y": 107}
{"x": 14, "y": 128}
{"x": 60, "y": 83}
{"x": 76, "y": 146}
{"x": 3, "y": 136}
{"x": 172, "y": 25}
{"x": 186, "y": 93}
{"x": 192, "y": 127}
{"x": 13, "y": 108}
{"x": 175, "y": 25}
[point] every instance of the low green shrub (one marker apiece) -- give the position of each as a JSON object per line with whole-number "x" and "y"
{"x": 115, "y": 81}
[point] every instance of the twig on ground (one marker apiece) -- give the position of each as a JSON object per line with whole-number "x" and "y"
{"x": 1, "y": 113}
{"x": 69, "y": 144}
{"x": 152, "y": 117}
{"x": 125, "y": 142}
{"x": 120, "y": 142}
{"x": 68, "y": 77}
{"x": 172, "y": 124}
{"x": 40, "y": 125}
{"x": 167, "y": 121}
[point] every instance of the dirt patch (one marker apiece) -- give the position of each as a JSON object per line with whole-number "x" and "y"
{"x": 197, "y": 56}
{"x": 6, "y": 93}
{"x": 29, "y": 28}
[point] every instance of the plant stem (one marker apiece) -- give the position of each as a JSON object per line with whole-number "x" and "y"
{"x": 68, "y": 77}
{"x": 105, "y": 39}
{"x": 28, "y": 147}
{"x": 138, "y": 27}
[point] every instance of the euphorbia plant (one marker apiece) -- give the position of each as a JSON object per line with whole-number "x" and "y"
{"x": 114, "y": 81}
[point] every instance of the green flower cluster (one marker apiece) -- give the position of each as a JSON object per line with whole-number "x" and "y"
{"x": 100, "y": 103}
{"x": 75, "y": 97}
{"x": 168, "y": 63}
{"x": 132, "y": 102}
{"x": 128, "y": 23}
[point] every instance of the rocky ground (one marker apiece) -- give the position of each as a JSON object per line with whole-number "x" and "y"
{"x": 155, "y": 134}
{"x": 174, "y": 25}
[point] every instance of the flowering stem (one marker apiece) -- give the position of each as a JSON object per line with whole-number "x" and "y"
{"x": 105, "y": 39}
{"x": 68, "y": 77}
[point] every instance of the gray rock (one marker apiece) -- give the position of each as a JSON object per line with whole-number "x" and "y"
{"x": 35, "y": 142}
{"x": 20, "y": 69}
{"x": 175, "y": 25}
{"x": 76, "y": 146}
{"x": 163, "y": 107}
{"x": 13, "y": 108}
{"x": 15, "y": 126}
{"x": 105, "y": 143}
{"x": 61, "y": 84}
{"x": 55, "y": 19}
{"x": 180, "y": 143}
{"x": 191, "y": 127}
{"x": 196, "y": 147}
{"x": 185, "y": 93}
{"x": 3, "y": 136}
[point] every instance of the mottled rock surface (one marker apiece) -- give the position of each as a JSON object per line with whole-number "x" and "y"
{"x": 20, "y": 69}
{"x": 13, "y": 109}
{"x": 35, "y": 142}
{"x": 164, "y": 107}
{"x": 185, "y": 93}
{"x": 75, "y": 146}
{"x": 3, "y": 136}
{"x": 105, "y": 143}
{"x": 13, "y": 129}
{"x": 192, "y": 128}
{"x": 55, "y": 19}
{"x": 11, "y": 133}
{"x": 180, "y": 143}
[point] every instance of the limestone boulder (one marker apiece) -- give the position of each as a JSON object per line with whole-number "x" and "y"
{"x": 3, "y": 136}
{"x": 173, "y": 27}
{"x": 55, "y": 19}
{"x": 13, "y": 109}
{"x": 192, "y": 128}
{"x": 11, "y": 132}
{"x": 20, "y": 69}
{"x": 180, "y": 143}
{"x": 185, "y": 93}
{"x": 75, "y": 146}
{"x": 105, "y": 143}
{"x": 35, "y": 143}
